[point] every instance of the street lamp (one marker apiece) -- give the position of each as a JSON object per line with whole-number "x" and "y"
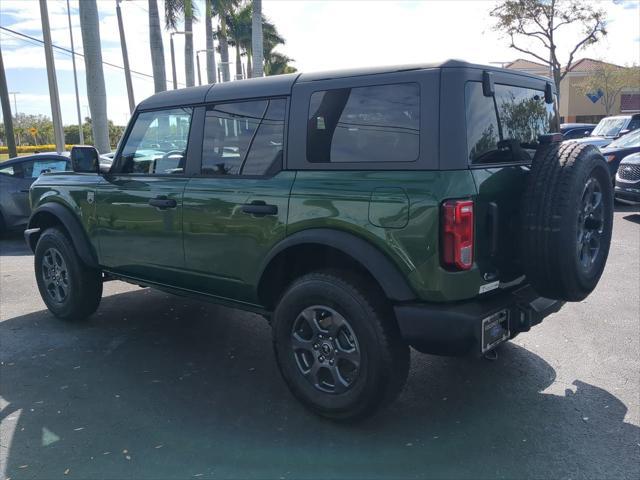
{"x": 173, "y": 57}
{"x": 198, "y": 62}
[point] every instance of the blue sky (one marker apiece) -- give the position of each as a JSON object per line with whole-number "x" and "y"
{"x": 321, "y": 35}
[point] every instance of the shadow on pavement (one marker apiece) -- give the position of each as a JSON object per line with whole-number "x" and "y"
{"x": 155, "y": 386}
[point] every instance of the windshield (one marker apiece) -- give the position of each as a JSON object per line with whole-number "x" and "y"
{"x": 629, "y": 140}
{"x": 609, "y": 127}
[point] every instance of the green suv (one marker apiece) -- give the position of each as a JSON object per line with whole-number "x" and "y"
{"x": 361, "y": 212}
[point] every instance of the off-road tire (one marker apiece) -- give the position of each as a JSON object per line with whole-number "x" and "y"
{"x": 385, "y": 357}
{"x": 556, "y": 221}
{"x": 83, "y": 285}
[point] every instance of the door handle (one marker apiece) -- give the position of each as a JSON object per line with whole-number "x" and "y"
{"x": 163, "y": 203}
{"x": 259, "y": 208}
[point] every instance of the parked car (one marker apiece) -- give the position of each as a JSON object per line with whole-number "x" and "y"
{"x": 576, "y": 130}
{"x": 620, "y": 148}
{"x": 346, "y": 209}
{"x": 610, "y": 128}
{"x": 16, "y": 176}
{"x": 628, "y": 179}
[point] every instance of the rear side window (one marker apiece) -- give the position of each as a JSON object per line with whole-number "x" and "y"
{"x": 505, "y": 130}
{"x": 364, "y": 124}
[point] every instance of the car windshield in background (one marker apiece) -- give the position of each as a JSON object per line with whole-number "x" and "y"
{"x": 506, "y": 130}
{"x": 629, "y": 140}
{"x": 608, "y": 127}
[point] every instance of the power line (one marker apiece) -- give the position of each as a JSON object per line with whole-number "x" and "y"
{"x": 69, "y": 52}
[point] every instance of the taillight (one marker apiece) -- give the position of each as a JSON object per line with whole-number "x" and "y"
{"x": 457, "y": 234}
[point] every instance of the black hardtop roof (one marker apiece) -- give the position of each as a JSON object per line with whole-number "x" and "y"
{"x": 281, "y": 85}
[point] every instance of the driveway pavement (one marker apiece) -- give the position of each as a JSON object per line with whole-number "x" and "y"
{"x": 155, "y": 386}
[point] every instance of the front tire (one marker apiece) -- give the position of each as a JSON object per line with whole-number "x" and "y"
{"x": 338, "y": 347}
{"x": 71, "y": 290}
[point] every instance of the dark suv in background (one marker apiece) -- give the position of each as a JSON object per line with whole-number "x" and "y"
{"x": 361, "y": 212}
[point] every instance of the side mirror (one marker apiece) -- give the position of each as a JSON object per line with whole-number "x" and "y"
{"x": 623, "y": 132}
{"x": 85, "y": 159}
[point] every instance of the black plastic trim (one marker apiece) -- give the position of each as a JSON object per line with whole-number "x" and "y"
{"x": 392, "y": 282}
{"x": 77, "y": 233}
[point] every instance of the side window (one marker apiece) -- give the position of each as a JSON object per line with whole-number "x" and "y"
{"x": 50, "y": 165}
{"x": 267, "y": 146}
{"x": 634, "y": 124}
{"x": 512, "y": 134}
{"x": 364, "y": 124}
{"x": 157, "y": 143}
{"x": 228, "y": 131}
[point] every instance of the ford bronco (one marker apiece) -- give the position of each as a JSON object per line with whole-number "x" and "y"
{"x": 361, "y": 212}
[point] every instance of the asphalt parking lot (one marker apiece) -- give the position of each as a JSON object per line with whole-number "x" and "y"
{"x": 155, "y": 386}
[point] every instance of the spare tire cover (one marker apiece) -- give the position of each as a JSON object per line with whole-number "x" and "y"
{"x": 567, "y": 220}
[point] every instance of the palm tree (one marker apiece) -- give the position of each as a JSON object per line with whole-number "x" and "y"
{"x": 221, "y": 9}
{"x": 241, "y": 36}
{"x": 208, "y": 26}
{"x": 257, "y": 40}
{"x": 173, "y": 11}
{"x": 157, "y": 49}
{"x": 96, "y": 92}
{"x": 276, "y": 63}
{"x": 239, "y": 26}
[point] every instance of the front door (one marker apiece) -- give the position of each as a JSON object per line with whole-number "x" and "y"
{"x": 235, "y": 211}
{"x": 139, "y": 205}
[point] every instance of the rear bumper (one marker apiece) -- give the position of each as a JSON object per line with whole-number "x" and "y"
{"x": 457, "y": 328}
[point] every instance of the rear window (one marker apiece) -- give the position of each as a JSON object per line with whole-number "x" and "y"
{"x": 505, "y": 130}
{"x": 364, "y": 124}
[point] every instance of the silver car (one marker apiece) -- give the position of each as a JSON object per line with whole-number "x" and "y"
{"x": 16, "y": 176}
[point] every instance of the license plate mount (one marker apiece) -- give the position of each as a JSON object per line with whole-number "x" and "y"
{"x": 495, "y": 330}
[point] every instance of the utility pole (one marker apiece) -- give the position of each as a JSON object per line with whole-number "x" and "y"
{"x": 6, "y": 111}
{"x": 75, "y": 77}
{"x": 125, "y": 59}
{"x": 51, "y": 77}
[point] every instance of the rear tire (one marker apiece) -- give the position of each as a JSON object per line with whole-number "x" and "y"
{"x": 567, "y": 220}
{"x": 338, "y": 347}
{"x": 71, "y": 290}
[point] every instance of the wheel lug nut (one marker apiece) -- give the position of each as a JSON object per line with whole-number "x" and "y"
{"x": 321, "y": 358}
{"x": 331, "y": 362}
{"x": 315, "y": 346}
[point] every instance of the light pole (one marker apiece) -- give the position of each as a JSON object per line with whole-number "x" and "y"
{"x": 51, "y": 77}
{"x": 125, "y": 59}
{"x": 75, "y": 76}
{"x": 173, "y": 57}
{"x": 15, "y": 103}
{"x": 198, "y": 62}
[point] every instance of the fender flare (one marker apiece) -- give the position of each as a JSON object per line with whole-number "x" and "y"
{"x": 381, "y": 268}
{"x": 68, "y": 219}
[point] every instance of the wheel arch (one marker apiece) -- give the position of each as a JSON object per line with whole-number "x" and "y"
{"x": 325, "y": 248}
{"x": 54, "y": 214}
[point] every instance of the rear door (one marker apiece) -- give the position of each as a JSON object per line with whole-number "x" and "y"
{"x": 235, "y": 210}
{"x": 139, "y": 203}
{"x": 502, "y": 137}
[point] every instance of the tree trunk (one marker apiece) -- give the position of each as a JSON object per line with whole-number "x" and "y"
{"x": 157, "y": 50}
{"x": 211, "y": 59}
{"x": 125, "y": 59}
{"x": 188, "y": 43}
{"x": 96, "y": 92}
{"x": 257, "y": 40}
{"x": 6, "y": 111}
{"x": 249, "y": 66}
{"x": 224, "y": 50}
{"x": 238, "y": 62}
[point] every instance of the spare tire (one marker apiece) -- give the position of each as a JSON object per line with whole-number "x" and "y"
{"x": 567, "y": 220}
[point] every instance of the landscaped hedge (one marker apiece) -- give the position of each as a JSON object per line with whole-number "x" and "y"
{"x": 34, "y": 148}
